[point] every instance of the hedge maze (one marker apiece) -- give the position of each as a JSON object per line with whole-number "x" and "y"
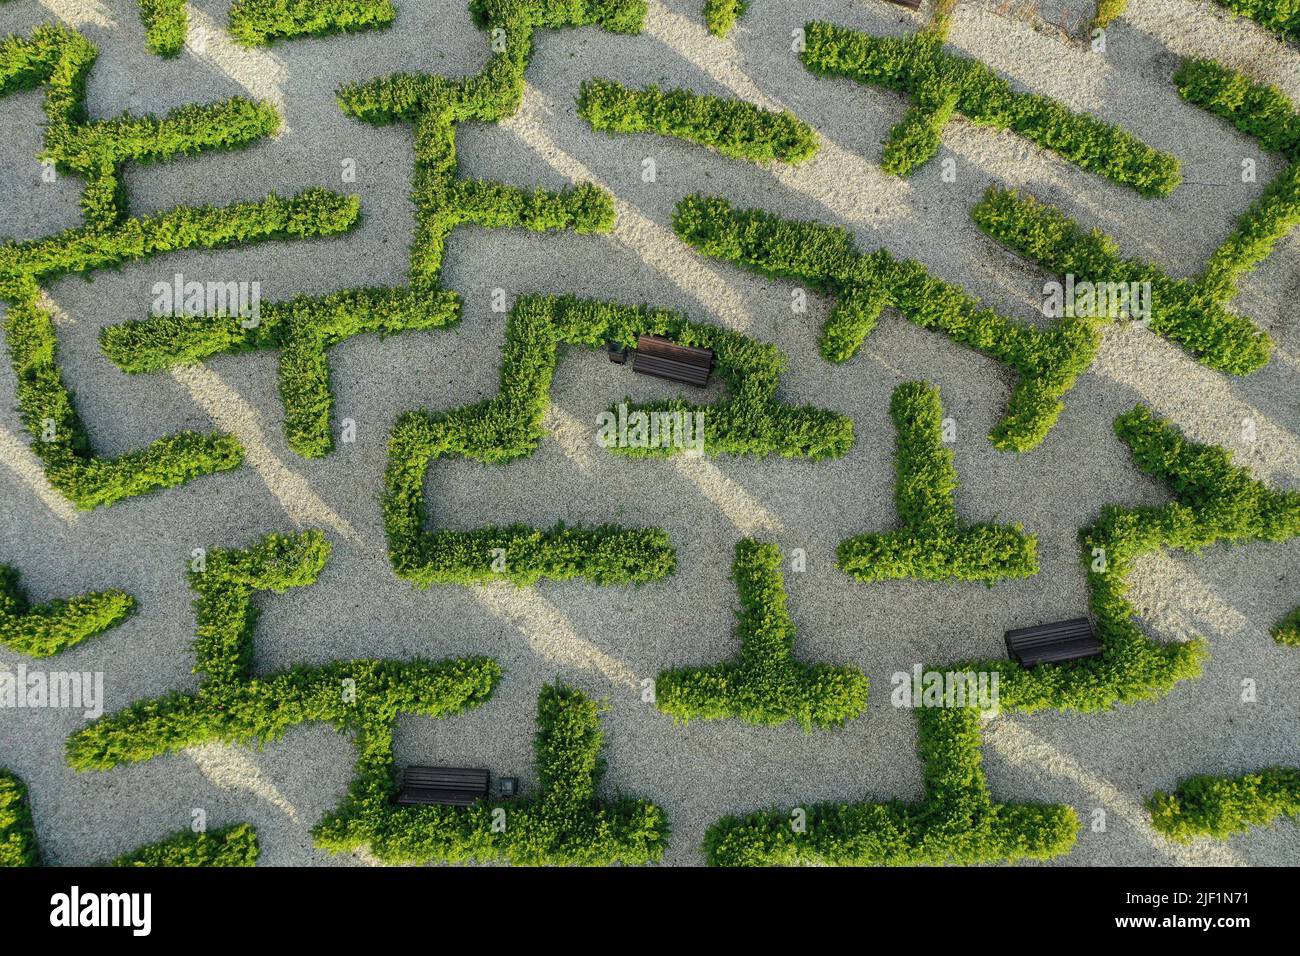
{"x": 564, "y": 817}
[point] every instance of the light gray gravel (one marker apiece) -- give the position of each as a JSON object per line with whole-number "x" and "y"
{"x": 606, "y": 640}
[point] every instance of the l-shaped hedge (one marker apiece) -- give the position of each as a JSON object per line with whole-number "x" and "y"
{"x": 827, "y": 260}
{"x": 932, "y": 543}
{"x": 943, "y": 84}
{"x": 765, "y": 685}
{"x": 749, "y": 420}
{"x": 957, "y": 820}
{"x": 565, "y": 823}
{"x": 1223, "y": 806}
{"x": 60, "y": 58}
{"x": 57, "y": 625}
{"x": 259, "y": 22}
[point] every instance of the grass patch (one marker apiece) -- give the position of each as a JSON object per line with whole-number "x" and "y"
{"x": 943, "y": 84}
{"x": 932, "y": 544}
{"x": 732, "y": 127}
{"x": 49, "y": 628}
{"x": 765, "y": 685}
{"x": 826, "y": 259}
{"x": 1220, "y": 807}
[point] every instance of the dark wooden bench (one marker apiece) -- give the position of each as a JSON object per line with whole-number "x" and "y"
{"x": 451, "y": 786}
{"x": 1053, "y": 643}
{"x": 910, "y": 4}
{"x": 679, "y": 363}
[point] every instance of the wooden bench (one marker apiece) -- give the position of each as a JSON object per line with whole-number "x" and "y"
{"x": 451, "y": 786}
{"x": 679, "y": 363}
{"x": 910, "y": 4}
{"x": 1053, "y": 643}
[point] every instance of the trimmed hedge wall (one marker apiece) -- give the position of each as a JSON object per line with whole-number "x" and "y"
{"x": 229, "y": 846}
{"x": 765, "y": 685}
{"x": 932, "y": 544}
{"x": 732, "y": 127}
{"x": 53, "y": 627}
{"x": 1280, "y": 16}
{"x": 1287, "y": 631}
{"x": 827, "y": 260}
{"x": 957, "y": 822}
{"x": 261, "y": 22}
{"x": 61, "y": 58}
{"x": 1220, "y": 807}
{"x": 749, "y": 420}
{"x": 18, "y": 846}
{"x": 944, "y": 83}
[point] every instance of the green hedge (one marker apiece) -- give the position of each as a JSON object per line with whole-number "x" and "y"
{"x": 827, "y": 260}
{"x": 1182, "y": 310}
{"x": 944, "y": 83}
{"x": 1221, "y": 807}
{"x": 230, "y": 846}
{"x": 50, "y": 628}
{"x": 749, "y": 420}
{"x": 60, "y": 59}
{"x": 730, "y": 126}
{"x": 260, "y": 22}
{"x": 721, "y": 15}
{"x": 565, "y": 823}
{"x": 1287, "y": 631}
{"x": 165, "y": 24}
{"x": 957, "y": 820}
{"x": 765, "y": 685}
{"x": 932, "y": 544}
{"x": 18, "y": 846}
{"x": 1280, "y": 16}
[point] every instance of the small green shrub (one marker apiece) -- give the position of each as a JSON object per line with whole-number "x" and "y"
{"x": 229, "y": 846}
{"x": 1280, "y": 16}
{"x": 765, "y": 685}
{"x": 1287, "y": 631}
{"x": 1221, "y": 807}
{"x": 18, "y": 846}
{"x": 50, "y": 628}
{"x": 730, "y": 126}
{"x": 721, "y": 15}
{"x": 932, "y": 544}
{"x": 748, "y": 421}
{"x": 260, "y": 22}
{"x": 944, "y": 84}
{"x": 165, "y": 25}
{"x": 827, "y": 260}
{"x": 1182, "y": 310}
{"x": 1108, "y": 11}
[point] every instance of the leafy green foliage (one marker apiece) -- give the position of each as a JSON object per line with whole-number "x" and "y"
{"x": 1182, "y": 310}
{"x": 748, "y": 421}
{"x": 730, "y": 126}
{"x": 18, "y": 846}
{"x": 50, "y": 628}
{"x": 165, "y": 25}
{"x": 721, "y": 15}
{"x": 957, "y": 821}
{"x": 944, "y": 83}
{"x": 1287, "y": 631}
{"x": 229, "y": 846}
{"x": 765, "y": 685}
{"x": 933, "y": 544}
{"x": 827, "y": 260}
{"x": 1280, "y": 16}
{"x": 1108, "y": 11}
{"x": 260, "y": 22}
{"x": 1221, "y": 807}
{"x": 564, "y": 824}
{"x": 61, "y": 59}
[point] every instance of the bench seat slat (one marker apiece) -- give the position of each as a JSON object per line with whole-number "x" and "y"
{"x": 1053, "y": 643}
